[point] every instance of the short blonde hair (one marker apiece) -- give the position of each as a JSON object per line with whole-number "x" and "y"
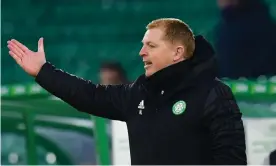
{"x": 176, "y": 31}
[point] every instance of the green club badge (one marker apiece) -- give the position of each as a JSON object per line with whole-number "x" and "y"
{"x": 179, "y": 107}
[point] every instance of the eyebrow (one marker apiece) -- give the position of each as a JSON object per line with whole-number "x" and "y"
{"x": 148, "y": 42}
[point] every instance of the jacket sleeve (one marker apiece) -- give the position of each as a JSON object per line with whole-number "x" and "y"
{"x": 99, "y": 100}
{"x": 222, "y": 118}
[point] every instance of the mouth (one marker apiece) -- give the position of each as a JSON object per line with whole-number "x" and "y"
{"x": 147, "y": 64}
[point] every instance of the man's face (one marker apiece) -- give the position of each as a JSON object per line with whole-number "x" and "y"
{"x": 156, "y": 52}
{"x": 109, "y": 77}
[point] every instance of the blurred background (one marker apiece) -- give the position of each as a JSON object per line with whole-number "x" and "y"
{"x": 100, "y": 40}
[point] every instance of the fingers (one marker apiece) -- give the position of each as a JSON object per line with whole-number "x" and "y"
{"x": 16, "y": 58}
{"x": 21, "y": 46}
{"x": 40, "y": 45}
{"x": 15, "y": 49}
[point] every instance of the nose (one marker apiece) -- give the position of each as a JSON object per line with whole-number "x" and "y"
{"x": 143, "y": 52}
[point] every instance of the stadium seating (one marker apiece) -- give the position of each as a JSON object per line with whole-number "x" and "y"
{"x": 80, "y": 34}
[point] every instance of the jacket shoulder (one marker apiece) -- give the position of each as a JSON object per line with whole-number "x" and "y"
{"x": 219, "y": 90}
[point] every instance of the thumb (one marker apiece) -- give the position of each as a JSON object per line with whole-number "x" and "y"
{"x": 40, "y": 45}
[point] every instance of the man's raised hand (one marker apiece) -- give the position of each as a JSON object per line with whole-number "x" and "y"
{"x": 30, "y": 61}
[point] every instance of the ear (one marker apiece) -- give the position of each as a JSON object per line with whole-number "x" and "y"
{"x": 179, "y": 53}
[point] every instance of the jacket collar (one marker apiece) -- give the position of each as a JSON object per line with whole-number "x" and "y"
{"x": 201, "y": 67}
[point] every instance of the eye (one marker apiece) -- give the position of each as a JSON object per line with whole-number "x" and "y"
{"x": 151, "y": 45}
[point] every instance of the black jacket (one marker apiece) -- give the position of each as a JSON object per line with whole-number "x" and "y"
{"x": 208, "y": 131}
{"x": 272, "y": 158}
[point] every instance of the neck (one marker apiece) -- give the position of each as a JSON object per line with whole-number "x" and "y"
{"x": 169, "y": 76}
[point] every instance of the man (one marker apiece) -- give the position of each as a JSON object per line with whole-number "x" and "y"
{"x": 112, "y": 73}
{"x": 177, "y": 113}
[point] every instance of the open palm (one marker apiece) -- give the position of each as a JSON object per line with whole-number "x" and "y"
{"x": 30, "y": 61}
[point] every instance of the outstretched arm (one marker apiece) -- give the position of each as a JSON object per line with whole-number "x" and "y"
{"x": 104, "y": 101}
{"x": 100, "y": 100}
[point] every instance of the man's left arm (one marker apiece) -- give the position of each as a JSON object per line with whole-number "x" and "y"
{"x": 222, "y": 119}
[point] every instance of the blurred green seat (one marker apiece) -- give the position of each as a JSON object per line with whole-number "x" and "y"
{"x": 88, "y": 32}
